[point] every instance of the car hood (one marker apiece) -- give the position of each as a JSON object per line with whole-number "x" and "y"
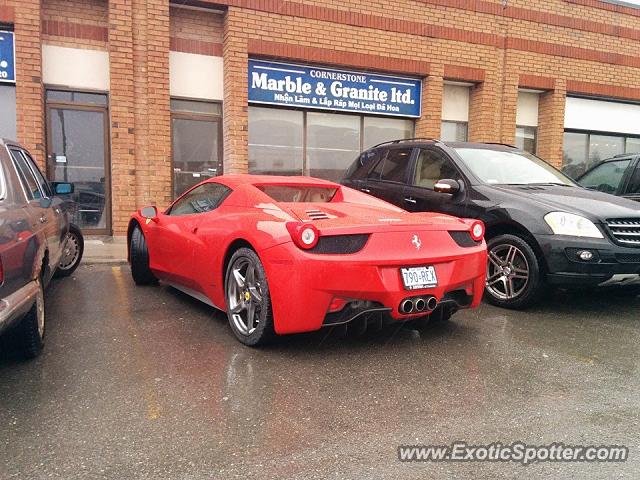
{"x": 595, "y": 205}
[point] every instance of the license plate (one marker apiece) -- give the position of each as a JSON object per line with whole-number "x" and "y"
{"x": 419, "y": 277}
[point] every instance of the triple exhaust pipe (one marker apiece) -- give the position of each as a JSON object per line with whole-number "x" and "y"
{"x": 418, "y": 304}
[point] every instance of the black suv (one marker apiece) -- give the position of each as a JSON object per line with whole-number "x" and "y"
{"x": 542, "y": 227}
{"x": 619, "y": 175}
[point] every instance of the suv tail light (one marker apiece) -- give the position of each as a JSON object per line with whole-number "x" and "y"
{"x": 477, "y": 230}
{"x": 1, "y": 272}
{"x": 304, "y": 235}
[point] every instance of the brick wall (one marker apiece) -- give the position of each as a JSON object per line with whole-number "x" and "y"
{"x": 29, "y": 92}
{"x": 557, "y": 46}
{"x": 75, "y": 23}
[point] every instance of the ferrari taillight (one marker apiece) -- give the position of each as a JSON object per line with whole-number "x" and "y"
{"x": 477, "y": 230}
{"x": 304, "y": 235}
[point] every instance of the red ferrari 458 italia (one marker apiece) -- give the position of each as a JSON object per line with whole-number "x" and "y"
{"x": 293, "y": 254}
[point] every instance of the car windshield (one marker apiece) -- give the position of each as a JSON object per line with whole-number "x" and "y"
{"x": 298, "y": 193}
{"x": 499, "y": 167}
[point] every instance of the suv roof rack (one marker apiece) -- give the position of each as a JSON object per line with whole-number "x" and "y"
{"x": 500, "y": 143}
{"x": 415, "y": 139}
{"x": 620, "y": 155}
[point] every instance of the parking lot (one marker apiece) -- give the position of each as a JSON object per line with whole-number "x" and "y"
{"x": 148, "y": 383}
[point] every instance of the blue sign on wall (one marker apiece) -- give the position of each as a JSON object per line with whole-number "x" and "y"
{"x": 7, "y": 58}
{"x": 328, "y": 89}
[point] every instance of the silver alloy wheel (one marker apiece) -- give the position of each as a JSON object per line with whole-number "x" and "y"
{"x": 244, "y": 296}
{"x": 507, "y": 272}
{"x": 70, "y": 253}
{"x": 40, "y": 311}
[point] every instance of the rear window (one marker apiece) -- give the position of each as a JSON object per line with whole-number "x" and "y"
{"x": 298, "y": 193}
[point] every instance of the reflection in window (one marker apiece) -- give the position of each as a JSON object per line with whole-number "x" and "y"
{"x": 602, "y": 147}
{"x": 633, "y": 145}
{"x": 576, "y": 152}
{"x": 526, "y": 139}
{"x": 454, "y": 131}
{"x": 433, "y": 166}
{"x": 201, "y": 199}
{"x": 275, "y": 141}
{"x": 196, "y": 143}
{"x": 584, "y": 149}
{"x": 394, "y": 166}
{"x": 382, "y": 129}
{"x": 333, "y": 141}
{"x": 606, "y": 177}
{"x": 77, "y": 143}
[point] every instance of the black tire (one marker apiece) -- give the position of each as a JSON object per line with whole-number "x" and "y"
{"x": 522, "y": 293}
{"x": 72, "y": 255}
{"x": 242, "y": 298}
{"x": 31, "y": 330}
{"x": 139, "y": 256}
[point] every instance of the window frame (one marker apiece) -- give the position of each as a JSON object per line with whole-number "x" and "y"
{"x": 225, "y": 195}
{"x": 632, "y": 172}
{"x": 28, "y": 194}
{"x": 455, "y": 122}
{"x": 383, "y": 159}
{"x": 535, "y": 137}
{"x": 588, "y": 134}
{"x": 197, "y": 116}
{"x": 42, "y": 181}
{"x": 624, "y": 179}
{"x": 445, "y": 155}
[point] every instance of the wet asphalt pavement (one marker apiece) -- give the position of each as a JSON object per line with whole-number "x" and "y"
{"x": 148, "y": 383}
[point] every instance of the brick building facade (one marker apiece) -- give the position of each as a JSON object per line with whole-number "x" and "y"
{"x": 501, "y": 62}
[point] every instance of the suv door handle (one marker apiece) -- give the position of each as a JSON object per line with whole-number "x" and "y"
{"x": 194, "y": 230}
{"x": 410, "y": 200}
{"x": 43, "y": 219}
{"x": 365, "y": 190}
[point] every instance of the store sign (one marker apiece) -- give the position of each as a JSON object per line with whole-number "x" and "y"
{"x": 7, "y": 58}
{"x": 327, "y": 89}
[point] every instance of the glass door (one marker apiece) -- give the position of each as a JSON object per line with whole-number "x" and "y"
{"x": 78, "y": 153}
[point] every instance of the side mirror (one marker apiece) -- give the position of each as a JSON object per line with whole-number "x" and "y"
{"x": 150, "y": 213}
{"x": 63, "y": 188}
{"x": 447, "y": 185}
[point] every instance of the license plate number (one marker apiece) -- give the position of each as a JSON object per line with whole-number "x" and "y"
{"x": 419, "y": 277}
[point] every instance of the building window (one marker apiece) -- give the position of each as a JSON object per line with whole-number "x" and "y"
{"x": 526, "y": 138}
{"x": 527, "y": 120}
{"x": 333, "y": 142}
{"x": 8, "y": 108}
{"x": 383, "y": 129}
{"x": 454, "y": 131}
{"x": 275, "y": 141}
{"x": 323, "y": 145}
{"x": 455, "y": 112}
{"x": 196, "y": 131}
{"x": 584, "y": 149}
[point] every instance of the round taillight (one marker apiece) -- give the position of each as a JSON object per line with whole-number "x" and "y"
{"x": 303, "y": 235}
{"x": 308, "y": 236}
{"x": 477, "y": 231}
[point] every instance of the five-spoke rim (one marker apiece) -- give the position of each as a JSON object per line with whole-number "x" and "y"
{"x": 70, "y": 253}
{"x": 507, "y": 272}
{"x": 244, "y": 295}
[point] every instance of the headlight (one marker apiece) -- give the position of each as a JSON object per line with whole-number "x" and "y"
{"x": 563, "y": 223}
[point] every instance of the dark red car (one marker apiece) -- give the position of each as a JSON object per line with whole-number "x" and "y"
{"x": 292, "y": 254}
